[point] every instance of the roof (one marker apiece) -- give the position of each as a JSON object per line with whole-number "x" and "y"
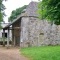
{"x": 7, "y": 26}
{"x": 31, "y": 11}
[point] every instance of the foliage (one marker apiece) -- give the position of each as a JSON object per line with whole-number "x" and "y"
{"x": 2, "y": 8}
{"x": 2, "y": 14}
{"x": 16, "y": 12}
{"x": 42, "y": 53}
{"x": 50, "y": 9}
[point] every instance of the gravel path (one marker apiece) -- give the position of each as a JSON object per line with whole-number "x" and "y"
{"x": 11, "y": 54}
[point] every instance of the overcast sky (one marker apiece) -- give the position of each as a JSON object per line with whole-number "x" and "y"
{"x": 13, "y": 4}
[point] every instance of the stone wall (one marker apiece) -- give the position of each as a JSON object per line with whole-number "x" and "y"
{"x": 24, "y": 31}
{"x": 35, "y": 32}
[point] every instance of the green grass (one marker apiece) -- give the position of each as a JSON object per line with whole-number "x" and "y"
{"x": 42, "y": 53}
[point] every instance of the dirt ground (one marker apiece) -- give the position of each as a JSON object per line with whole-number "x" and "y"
{"x": 11, "y": 54}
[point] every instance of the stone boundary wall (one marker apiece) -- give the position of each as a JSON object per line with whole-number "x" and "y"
{"x": 35, "y": 32}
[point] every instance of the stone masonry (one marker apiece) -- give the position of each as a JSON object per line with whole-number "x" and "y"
{"x": 35, "y": 32}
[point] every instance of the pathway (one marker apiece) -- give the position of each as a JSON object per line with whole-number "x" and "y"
{"x": 11, "y": 54}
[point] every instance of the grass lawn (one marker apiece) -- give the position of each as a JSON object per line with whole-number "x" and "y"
{"x": 42, "y": 53}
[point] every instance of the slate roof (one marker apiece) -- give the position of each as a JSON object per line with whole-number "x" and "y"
{"x": 31, "y": 9}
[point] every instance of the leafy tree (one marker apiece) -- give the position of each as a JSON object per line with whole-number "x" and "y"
{"x": 50, "y": 10}
{"x": 16, "y": 12}
{"x": 2, "y": 14}
{"x": 2, "y": 8}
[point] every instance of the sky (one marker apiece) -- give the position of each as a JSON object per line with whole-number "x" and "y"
{"x": 12, "y": 5}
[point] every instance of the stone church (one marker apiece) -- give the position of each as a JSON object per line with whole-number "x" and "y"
{"x": 28, "y": 30}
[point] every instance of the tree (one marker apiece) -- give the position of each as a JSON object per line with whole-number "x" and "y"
{"x": 2, "y": 14}
{"x": 16, "y": 12}
{"x": 2, "y": 8}
{"x": 50, "y": 10}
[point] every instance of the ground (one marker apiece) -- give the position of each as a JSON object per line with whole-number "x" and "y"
{"x": 11, "y": 54}
{"x": 42, "y": 52}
